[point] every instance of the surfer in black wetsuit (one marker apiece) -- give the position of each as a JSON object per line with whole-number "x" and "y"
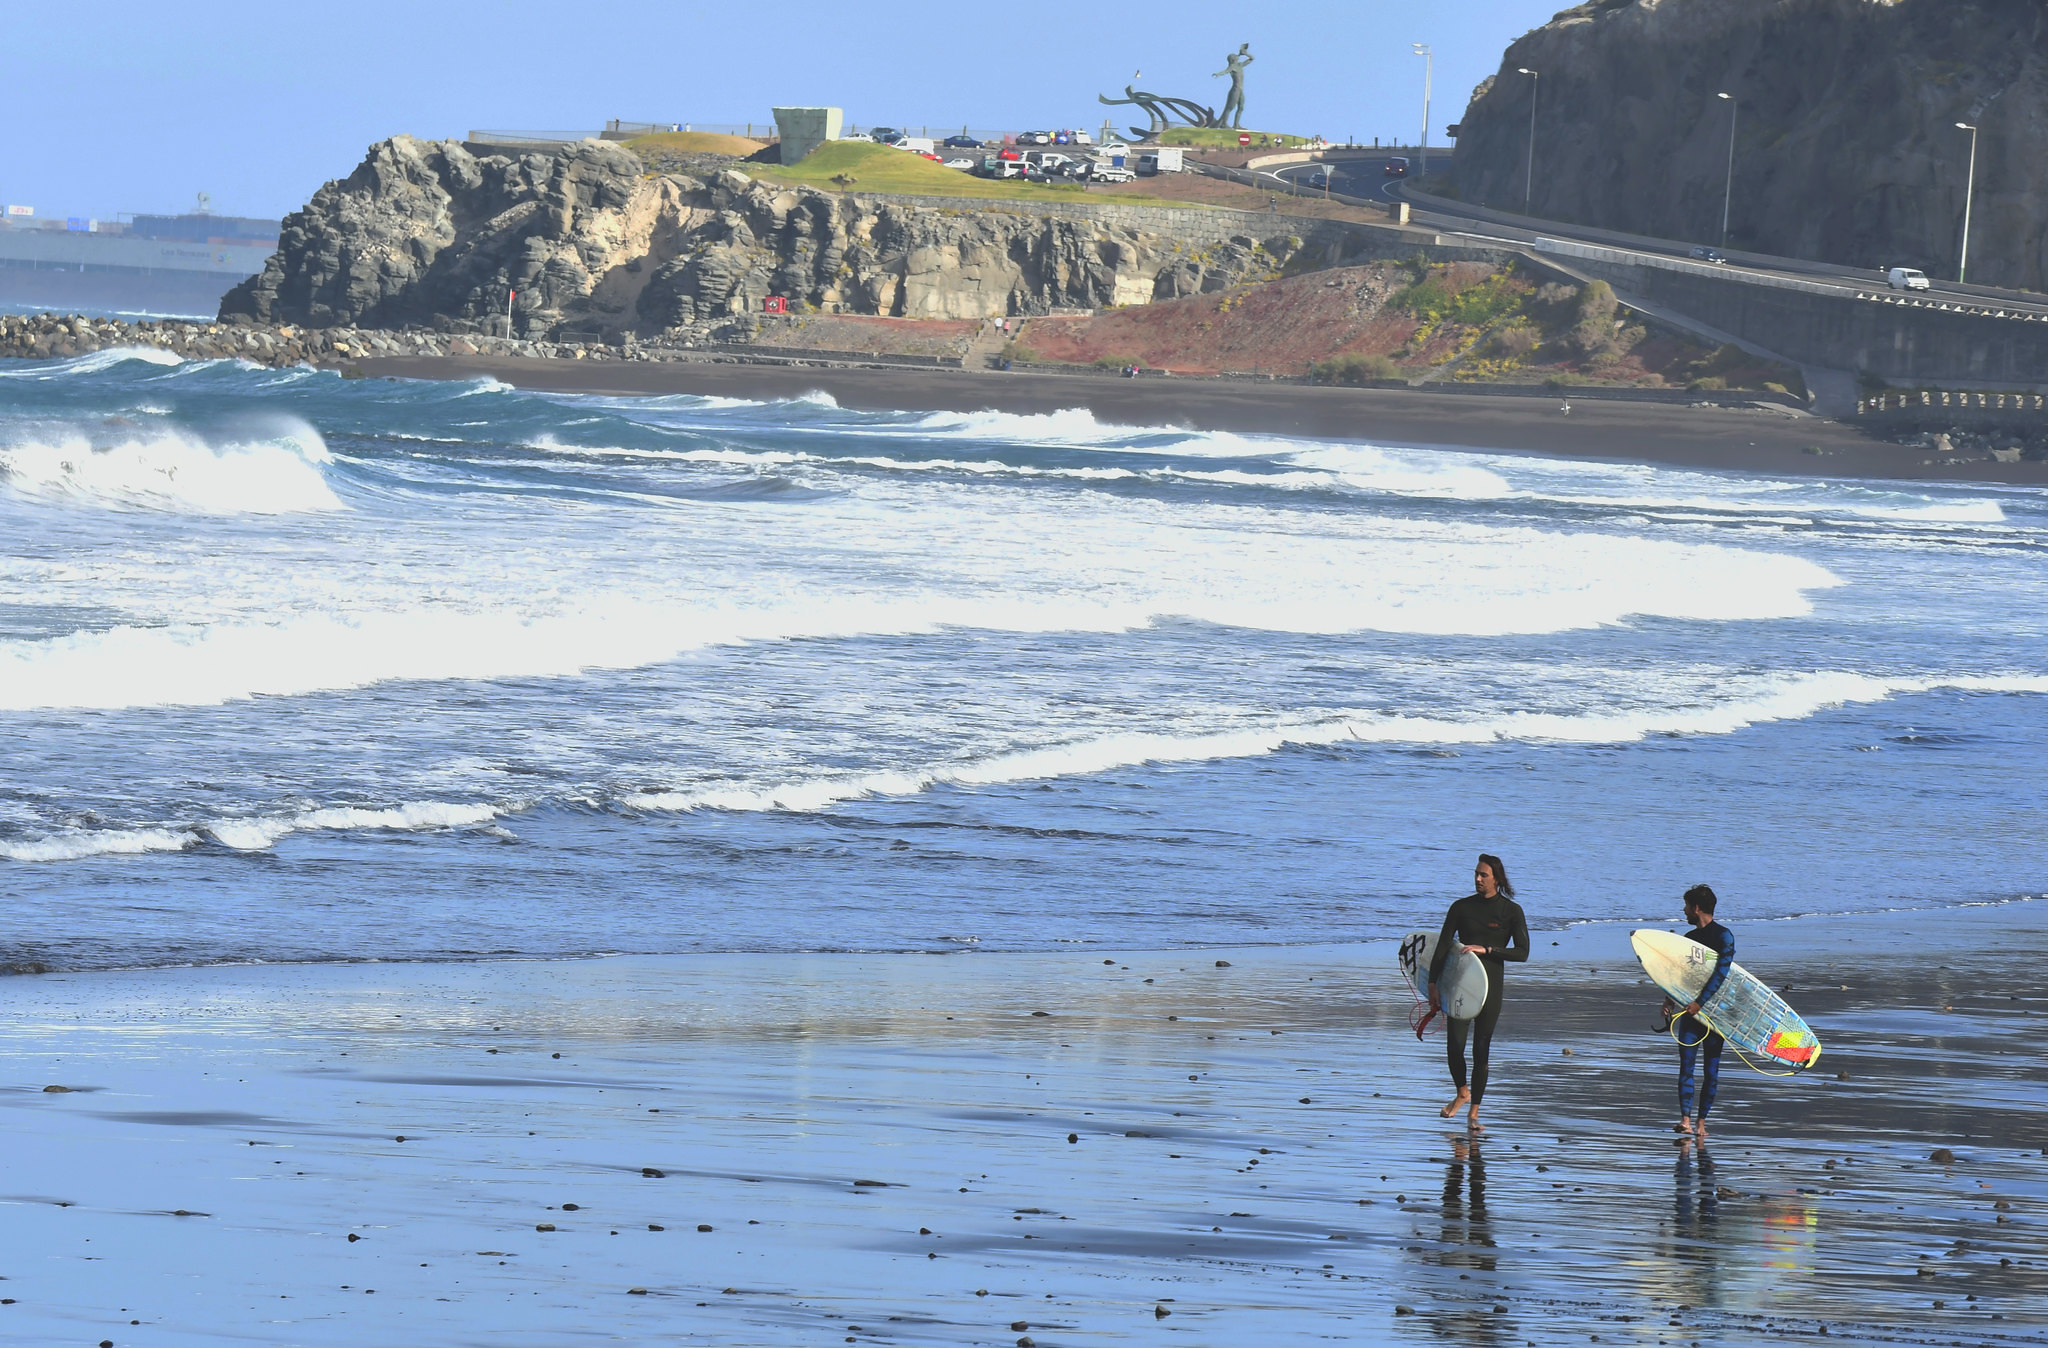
{"x": 1699, "y": 1047}
{"x": 1489, "y": 923}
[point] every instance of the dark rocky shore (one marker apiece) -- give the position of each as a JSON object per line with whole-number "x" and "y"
{"x": 57, "y": 336}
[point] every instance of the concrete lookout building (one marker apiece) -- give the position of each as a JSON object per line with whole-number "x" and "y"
{"x": 805, "y": 129}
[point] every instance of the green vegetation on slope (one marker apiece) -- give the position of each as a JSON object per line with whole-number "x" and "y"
{"x": 863, "y": 166}
{"x": 694, "y": 142}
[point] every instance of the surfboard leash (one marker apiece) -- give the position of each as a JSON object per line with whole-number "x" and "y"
{"x": 1671, "y": 1027}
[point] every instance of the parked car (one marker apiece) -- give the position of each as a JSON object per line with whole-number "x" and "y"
{"x": 961, "y": 162}
{"x": 1397, "y": 167}
{"x": 1320, "y": 178}
{"x": 1113, "y": 173}
{"x": 961, "y": 142}
{"x": 883, "y": 135}
{"x": 1702, "y": 253}
{"x": 1907, "y": 278}
{"x": 1034, "y": 137}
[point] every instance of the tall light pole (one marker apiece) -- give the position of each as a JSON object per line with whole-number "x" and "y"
{"x": 1963, "y": 267}
{"x": 1728, "y": 197}
{"x": 1428, "y": 56}
{"x": 1529, "y": 173}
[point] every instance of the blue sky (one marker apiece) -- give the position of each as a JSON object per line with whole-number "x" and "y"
{"x": 123, "y": 106}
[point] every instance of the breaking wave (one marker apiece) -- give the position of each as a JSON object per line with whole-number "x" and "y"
{"x": 166, "y": 469}
{"x": 1784, "y": 698}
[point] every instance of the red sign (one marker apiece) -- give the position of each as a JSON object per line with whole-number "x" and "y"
{"x": 775, "y": 304}
{"x": 1244, "y": 138}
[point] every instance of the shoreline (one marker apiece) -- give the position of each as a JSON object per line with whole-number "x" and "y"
{"x": 1240, "y": 1144}
{"x": 1736, "y": 439}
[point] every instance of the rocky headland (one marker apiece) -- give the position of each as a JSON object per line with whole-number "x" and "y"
{"x": 589, "y": 244}
{"x": 1846, "y": 146}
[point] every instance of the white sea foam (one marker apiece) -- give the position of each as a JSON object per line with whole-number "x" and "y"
{"x": 74, "y": 844}
{"x": 94, "y": 362}
{"x": 1788, "y": 697}
{"x": 207, "y": 666}
{"x": 252, "y": 834}
{"x": 174, "y": 470}
{"x": 1068, "y": 426}
{"x": 258, "y": 833}
{"x": 484, "y": 384}
{"x": 1063, "y": 567}
{"x": 1753, "y": 701}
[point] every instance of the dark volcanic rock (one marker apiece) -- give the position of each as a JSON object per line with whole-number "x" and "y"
{"x": 424, "y": 228}
{"x": 425, "y": 233}
{"x": 1846, "y": 148}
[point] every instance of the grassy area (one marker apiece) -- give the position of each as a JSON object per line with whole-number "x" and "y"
{"x": 694, "y": 142}
{"x": 862, "y": 166}
{"x": 1222, "y": 138}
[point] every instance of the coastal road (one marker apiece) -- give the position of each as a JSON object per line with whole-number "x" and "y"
{"x": 1364, "y": 179}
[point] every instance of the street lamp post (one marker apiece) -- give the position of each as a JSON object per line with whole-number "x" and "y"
{"x": 1728, "y": 196}
{"x": 1428, "y": 56}
{"x": 1963, "y": 267}
{"x": 1529, "y": 173}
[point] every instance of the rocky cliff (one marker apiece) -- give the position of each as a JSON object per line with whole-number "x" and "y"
{"x": 592, "y": 242}
{"x": 1846, "y": 148}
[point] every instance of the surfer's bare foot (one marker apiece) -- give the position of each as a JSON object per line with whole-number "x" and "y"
{"x": 1472, "y": 1123}
{"x": 1699, "y": 1130}
{"x": 1684, "y": 1124}
{"x": 1450, "y": 1111}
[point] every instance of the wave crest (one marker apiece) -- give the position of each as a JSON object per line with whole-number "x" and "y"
{"x": 170, "y": 469}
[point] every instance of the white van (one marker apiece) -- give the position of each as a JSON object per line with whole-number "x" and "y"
{"x": 1907, "y": 278}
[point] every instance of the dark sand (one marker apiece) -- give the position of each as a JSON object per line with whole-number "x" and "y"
{"x": 1772, "y": 441}
{"x": 1257, "y": 1151}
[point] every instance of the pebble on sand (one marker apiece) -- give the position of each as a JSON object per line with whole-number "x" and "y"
{"x": 1160, "y": 1312}
{"x": 703, "y": 1226}
{"x": 56, "y": 1090}
{"x": 649, "y": 1172}
{"x": 543, "y": 1226}
{"x": 1073, "y": 1137}
{"x": 651, "y": 1226}
{"x": 636, "y": 1291}
{"x": 1942, "y": 1156}
{"x": 353, "y": 1237}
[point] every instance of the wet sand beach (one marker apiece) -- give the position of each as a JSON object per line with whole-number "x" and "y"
{"x": 1196, "y": 1146}
{"x": 1766, "y": 439}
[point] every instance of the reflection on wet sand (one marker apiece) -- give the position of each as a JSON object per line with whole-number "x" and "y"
{"x": 1251, "y": 1147}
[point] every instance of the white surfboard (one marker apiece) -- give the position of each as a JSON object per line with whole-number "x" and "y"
{"x": 1464, "y": 984}
{"x": 1744, "y": 1012}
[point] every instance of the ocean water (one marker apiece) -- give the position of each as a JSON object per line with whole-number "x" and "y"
{"x": 297, "y": 668}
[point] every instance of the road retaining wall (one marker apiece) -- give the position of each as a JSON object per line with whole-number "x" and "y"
{"x": 1875, "y": 332}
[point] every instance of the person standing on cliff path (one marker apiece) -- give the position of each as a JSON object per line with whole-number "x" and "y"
{"x": 1490, "y": 924}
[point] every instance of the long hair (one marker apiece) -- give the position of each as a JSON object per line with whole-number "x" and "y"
{"x": 1500, "y": 874}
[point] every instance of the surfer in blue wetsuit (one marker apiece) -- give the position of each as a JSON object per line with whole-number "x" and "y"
{"x": 1489, "y": 923}
{"x": 1699, "y": 1047}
